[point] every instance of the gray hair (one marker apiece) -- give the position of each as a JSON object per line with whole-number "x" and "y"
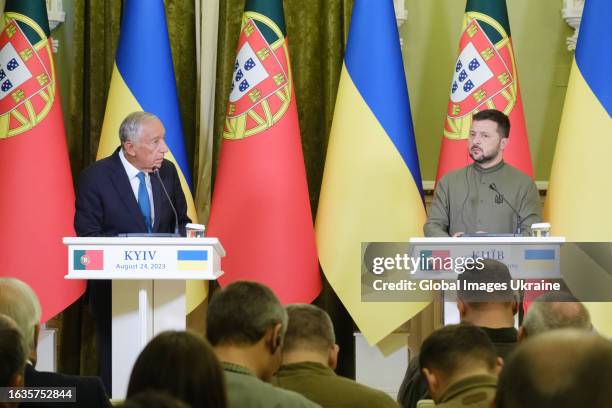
{"x": 242, "y": 312}
{"x": 556, "y": 311}
{"x": 130, "y": 127}
{"x": 19, "y": 302}
{"x": 310, "y": 328}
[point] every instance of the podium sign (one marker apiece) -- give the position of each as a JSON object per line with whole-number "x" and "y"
{"x": 148, "y": 288}
{"x": 525, "y": 257}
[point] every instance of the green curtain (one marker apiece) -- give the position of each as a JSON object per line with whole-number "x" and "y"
{"x": 316, "y": 33}
{"x": 94, "y": 30}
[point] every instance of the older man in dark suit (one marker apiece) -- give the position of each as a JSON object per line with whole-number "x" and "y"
{"x": 120, "y": 194}
{"x": 19, "y": 302}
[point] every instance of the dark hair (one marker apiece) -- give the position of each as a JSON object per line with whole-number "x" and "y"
{"x": 558, "y": 369}
{"x": 493, "y": 272}
{"x": 182, "y": 364}
{"x": 310, "y": 328}
{"x": 12, "y": 351}
{"x": 503, "y": 123}
{"x": 153, "y": 399}
{"x": 452, "y": 347}
{"x": 242, "y": 312}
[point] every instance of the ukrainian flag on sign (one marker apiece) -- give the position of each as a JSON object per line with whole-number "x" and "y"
{"x": 579, "y": 193}
{"x": 143, "y": 80}
{"x": 192, "y": 260}
{"x": 371, "y": 187}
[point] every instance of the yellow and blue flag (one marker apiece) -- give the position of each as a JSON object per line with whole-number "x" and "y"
{"x": 143, "y": 80}
{"x": 579, "y": 193}
{"x": 371, "y": 188}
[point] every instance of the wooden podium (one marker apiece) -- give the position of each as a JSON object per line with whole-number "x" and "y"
{"x": 148, "y": 275}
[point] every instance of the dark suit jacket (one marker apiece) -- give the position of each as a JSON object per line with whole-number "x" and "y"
{"x": 89, "y": 390}
{"x": 106, "y": 205}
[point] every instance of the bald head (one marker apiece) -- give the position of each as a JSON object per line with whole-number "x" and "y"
{"x": 555, "y": 311}
{"x": 558, "y": 369}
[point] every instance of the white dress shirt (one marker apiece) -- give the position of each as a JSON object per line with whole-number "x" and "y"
{"x": 132, "y": 173}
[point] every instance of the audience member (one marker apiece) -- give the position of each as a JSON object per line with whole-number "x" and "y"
{"x": 310, "y": 355}
{"x": 19, "y": 302}
{"x": 245, "y": 325}
{"x": 182, "y": 365}
{"x": 12, "y": 356}
{"x": 492, "y": 312}
{"x": 555, "y": 310}
{"x": 461, "y": 366}
{"x": 564, "y": 368}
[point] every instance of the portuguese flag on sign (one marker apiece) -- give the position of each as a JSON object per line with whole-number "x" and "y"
{"x": 37, "y": 205}
{"x": 485, "y": 77}
{"x": 260, "y": 207}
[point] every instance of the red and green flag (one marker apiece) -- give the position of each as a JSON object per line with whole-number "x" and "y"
{"x": 260, "y": 207}
{"x": 484, "y": 77}
{"x": 37, "y": 204}
{"x": 88, "y": 260}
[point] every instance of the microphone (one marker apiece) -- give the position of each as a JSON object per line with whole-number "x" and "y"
{"x": 176, "y": 225}
{"x": 519, "y": 220}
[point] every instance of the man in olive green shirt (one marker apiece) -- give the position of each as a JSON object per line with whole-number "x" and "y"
{"x": 310, "y": 355}
{"x": 465, "y": 200}
{"x": 246, "y": 325}
{"x": 461, "y": 366}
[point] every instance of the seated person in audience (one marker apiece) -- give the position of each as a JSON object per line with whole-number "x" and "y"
{"x": 492, "y": 312}
{"x": 19, "y": 302}
{"x": 310, "y": 355}
{"x": 461, "y": 366}
{"x": 246, "y": 324}
{"x": 564, "y": 368}
{"x": 12, "y": 356}
{"x": 183, "y": 365}
{"x": 154, "y": 399}
{"x": 554, "y": 310}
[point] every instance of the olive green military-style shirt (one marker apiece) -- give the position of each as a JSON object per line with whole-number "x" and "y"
{"x": 472, "y": 392}
{"x": 319, "y": 383}
{"x": 464, "y": 202}
{"x": 245, "y": 390}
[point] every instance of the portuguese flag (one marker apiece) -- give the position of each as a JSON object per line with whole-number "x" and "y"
{"x": 37, "y": 205}
{"x": 485, "y": 77}
{"x": 260, "y": 207}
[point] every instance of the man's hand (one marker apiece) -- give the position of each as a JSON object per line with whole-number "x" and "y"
{"x": 458, "y": 234}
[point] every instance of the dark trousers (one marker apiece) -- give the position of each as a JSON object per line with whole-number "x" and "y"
{"x": 100, "y": 304}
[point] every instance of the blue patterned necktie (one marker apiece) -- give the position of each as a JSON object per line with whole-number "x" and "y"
{"x": 143, "y": 201}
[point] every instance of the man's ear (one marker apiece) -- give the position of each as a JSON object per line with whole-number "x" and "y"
{"x": 332, "y": 358}
{"x": 499, "y": 364}
{"x": 461, "y": 307}
{"x": 275, "y": 339}
{"x": 16, "y": 380}
{"x": 432, "y": 380}
{"x": 33, "y": 353}
{"x": 503, "y": 143}
{"x": 129, "y": 148}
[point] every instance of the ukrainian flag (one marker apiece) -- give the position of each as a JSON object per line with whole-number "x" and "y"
{"x": 371, "y": 187}
{"x": 143, "y": 80}
{"x": 580, "y": 193}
